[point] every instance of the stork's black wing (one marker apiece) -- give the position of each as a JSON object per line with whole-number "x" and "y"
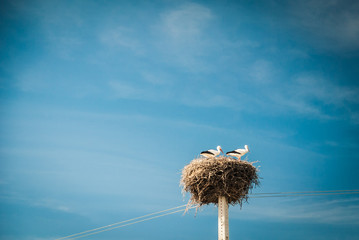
{"x": 233, "y": 152}
{"x": 208, "y": 152}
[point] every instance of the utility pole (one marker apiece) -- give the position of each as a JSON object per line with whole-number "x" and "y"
{"x": 223, "y": 225}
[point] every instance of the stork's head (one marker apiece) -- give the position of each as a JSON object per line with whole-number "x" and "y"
{"x": 246, "y": 147}
{"x": 219, "y": 149}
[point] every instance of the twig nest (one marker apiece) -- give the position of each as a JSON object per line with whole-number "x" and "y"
{"x": 208, "y": 178}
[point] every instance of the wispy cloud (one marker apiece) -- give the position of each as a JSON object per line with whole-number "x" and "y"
{"x": 183, "y": 36}
{"x": 157, "y": 78}
{"x": 332, "y": 24}
{"x": 262, "y": 72}
{"x": 186, "y": 23}
{"x": 33, "y": 79}
{"x": 308, "y": 94}
{"x": 121, "y": 37}
{"x": 158, "y": 91}
{"x": 311, "y": 94}
{"x": 316, "y": 87}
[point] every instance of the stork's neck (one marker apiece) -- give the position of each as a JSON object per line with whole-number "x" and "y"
{"x": 246, "y": 147}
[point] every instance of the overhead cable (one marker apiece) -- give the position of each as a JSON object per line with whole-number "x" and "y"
{"x": 255, "y": 195}
{"x": 127, "y": 224}
{"x": 117, "y": 223}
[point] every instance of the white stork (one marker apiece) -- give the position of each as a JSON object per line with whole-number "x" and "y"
{"x": 211, "y": 152}
{"x": 238, "y": 153}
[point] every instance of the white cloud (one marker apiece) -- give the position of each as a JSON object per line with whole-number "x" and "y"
{"x": 183, "y": 37}
{"x": 157, "y": 78}
{"x": 122, "y": 37}
{"x": 283, "y": 101}
{"x": 313, "y": 95}
{"x": 154, "y": 91}
{"x": 127, "y": 91}
{"x": 33, "y": 79}
{"x": 315, "y": 87}
{"x": 186, "y": 23}
{"x": 333, "y": 24}
{"x": 262, "y": 72}
{"x": 50, "y": 204}
{"x": 140, "y": 90}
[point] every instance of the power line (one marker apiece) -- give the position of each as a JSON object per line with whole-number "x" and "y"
{"x": 256, "y": 195}
{"x": 305, "y": 195}
{"x": 355, "y": 190}
{"x": 76, "y": 234}
{"x": 143, "y": 220}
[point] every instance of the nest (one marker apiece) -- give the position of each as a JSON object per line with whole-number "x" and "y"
{"x": 208, "y": 178}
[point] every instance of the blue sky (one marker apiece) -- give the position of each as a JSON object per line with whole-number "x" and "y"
{"x": 102, "y": 103}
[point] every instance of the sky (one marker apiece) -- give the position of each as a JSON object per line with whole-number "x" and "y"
{"x": 102, "y": 103}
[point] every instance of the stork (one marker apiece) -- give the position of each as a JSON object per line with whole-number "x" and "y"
{"x": 211, "y": 152}
{"x": 238, "y": 153}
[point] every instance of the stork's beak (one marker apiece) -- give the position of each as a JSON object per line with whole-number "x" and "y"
{"x": 221, "y": 150}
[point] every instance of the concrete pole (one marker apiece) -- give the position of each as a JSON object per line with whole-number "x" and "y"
{"x": 223, "y": 226}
